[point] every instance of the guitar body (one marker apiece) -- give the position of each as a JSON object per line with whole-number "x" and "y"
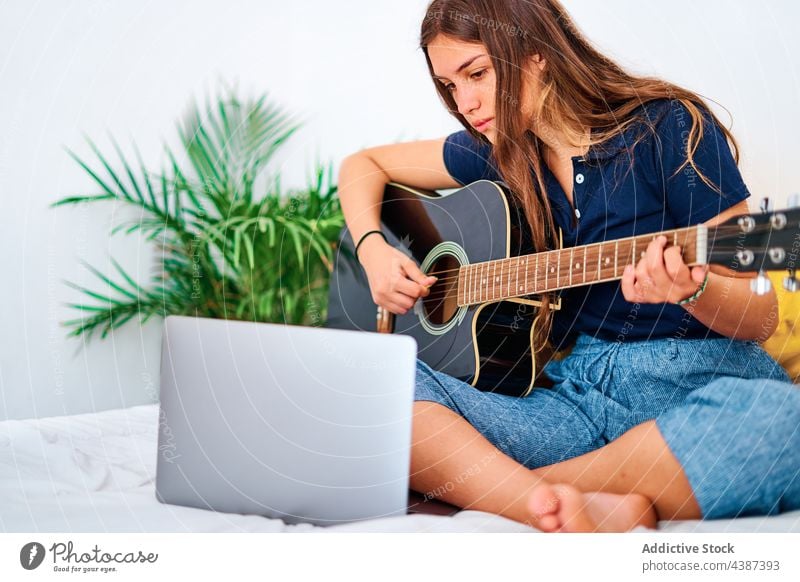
{"x": 478, "y": 322}
{"x": 488, "y": 345}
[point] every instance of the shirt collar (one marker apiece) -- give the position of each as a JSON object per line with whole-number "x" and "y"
{"x": 649, "y": 112}
{"x": 614, "y": 146}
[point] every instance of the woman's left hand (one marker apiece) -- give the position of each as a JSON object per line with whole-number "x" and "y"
{"x": 661, "y": 276}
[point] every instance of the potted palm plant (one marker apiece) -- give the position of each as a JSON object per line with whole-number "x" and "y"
{"x": 224, "y": 251}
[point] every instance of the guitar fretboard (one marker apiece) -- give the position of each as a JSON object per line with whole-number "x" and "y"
{"x": 571, "y": 267}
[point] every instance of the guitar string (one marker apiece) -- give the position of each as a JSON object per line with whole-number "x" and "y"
{"x": 450, "y": 290}
{"x": 486, "y": 290}
{"x": 504, "y": 281}
{"x": 504, "y": 287}
{"x": 622, "y": 259}
{"x": 733, "y": 229}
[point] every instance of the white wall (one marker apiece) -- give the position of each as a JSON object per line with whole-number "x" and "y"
{"x": 351, "y": 69}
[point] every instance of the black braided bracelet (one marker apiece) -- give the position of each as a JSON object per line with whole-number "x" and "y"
{"x": 365, "y": 235}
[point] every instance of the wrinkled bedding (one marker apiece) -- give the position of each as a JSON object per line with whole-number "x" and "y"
{"x": 96, "y": 473}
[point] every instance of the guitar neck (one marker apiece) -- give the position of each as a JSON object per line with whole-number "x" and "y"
{"x": 572, "y": 267}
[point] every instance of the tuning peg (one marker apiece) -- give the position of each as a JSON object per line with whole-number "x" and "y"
{"x": 746, "y": 223}
{"x": 765, "y": 205}
{"x": 790, "y": 283}
{"x": 761, "y": 284}
{"x": 793, "y": 201}
{"x": 776, "y": 255}
{"x": 778, "y": 220}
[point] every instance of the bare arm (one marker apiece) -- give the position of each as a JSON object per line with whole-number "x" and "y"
{"x": 726, "y": 306}
{"x": 363, "y": 177}
{"x": 395, "y": 279}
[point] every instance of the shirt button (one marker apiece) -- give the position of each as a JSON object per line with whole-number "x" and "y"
{"x": 579, "y": 178}
{"x": 577, "y": 213}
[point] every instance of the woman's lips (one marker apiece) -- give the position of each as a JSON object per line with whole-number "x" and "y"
{"x": 483, "y": 125}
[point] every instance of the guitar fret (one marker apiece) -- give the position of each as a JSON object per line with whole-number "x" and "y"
{"x": 476, "y": 293}
{"x": 509, "y": 263}
{"x": 616, "y": 254}
{"x": 502, "y": 278}
{"x": 536, "y": 276}
{"x": 493, "y": 292}
{"x": 470, "y": 287}
{"x": 571, "y": 263}
{"x": 476, "y": 290}
{"x": 546, "y": 269}
{"x": 503, "y": 263}
{"x": 585, "y": 251}
{"x": 461, "y": 280}
{"x": 484, "y": 291}
{"x": 465, "y": 283}
{"x": 558, "y": 270}
{"x": 490, "y": 280}
{"x": 473, "y": 288}
{"x": 485, "y": 282}
{"x": 526, "y": 275}
{"x": 481, "y": 282}
{"x": 599, "y": 259}
{"x": 508, "y": 287}
{"x": 496, "y": 280}
{"x": 499, "y": 279}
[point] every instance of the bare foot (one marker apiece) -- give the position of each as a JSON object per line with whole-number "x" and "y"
{"x": 563, "y": 508}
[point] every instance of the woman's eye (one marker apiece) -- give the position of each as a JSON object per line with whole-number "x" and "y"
{"x": 476, "y": 76}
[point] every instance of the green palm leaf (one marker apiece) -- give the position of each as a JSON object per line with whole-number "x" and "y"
{"x": 206, "y": 221}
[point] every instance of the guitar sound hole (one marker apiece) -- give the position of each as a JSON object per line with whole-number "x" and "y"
{"x": 441, "y": 304}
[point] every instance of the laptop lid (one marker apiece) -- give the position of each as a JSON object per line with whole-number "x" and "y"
{"x": 299, "y": 423}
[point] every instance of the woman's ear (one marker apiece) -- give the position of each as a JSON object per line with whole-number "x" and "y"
{"x": 534, "y": 66}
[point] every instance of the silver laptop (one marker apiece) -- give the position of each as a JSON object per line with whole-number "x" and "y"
{"x": 298, "y": 423}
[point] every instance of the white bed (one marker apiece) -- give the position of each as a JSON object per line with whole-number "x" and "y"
{"x": 95, "y": 473}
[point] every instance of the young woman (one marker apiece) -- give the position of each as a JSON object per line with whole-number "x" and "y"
{"x": 666, "y": 407}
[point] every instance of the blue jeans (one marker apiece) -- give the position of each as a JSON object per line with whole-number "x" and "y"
{"x": 725, "y": 408}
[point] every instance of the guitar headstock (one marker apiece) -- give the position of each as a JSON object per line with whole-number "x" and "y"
{"x": 769, "y": 241}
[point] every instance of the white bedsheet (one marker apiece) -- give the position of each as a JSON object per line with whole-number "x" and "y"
{"x": 96, "y": 473}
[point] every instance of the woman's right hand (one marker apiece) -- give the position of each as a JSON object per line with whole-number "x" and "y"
{"x": 395, "y": 280}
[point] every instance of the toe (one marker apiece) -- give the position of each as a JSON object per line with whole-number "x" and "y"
{"x": 543, "y": 508}
{"x": 572, "y": 511}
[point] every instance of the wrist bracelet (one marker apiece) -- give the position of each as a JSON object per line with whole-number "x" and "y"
{"x": 365, "y": 235}
{"x": 696, "y": 293}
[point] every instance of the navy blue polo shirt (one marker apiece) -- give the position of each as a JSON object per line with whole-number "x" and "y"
{"x": 623, "y": 188}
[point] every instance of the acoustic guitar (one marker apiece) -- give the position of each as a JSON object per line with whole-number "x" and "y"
{"x": 478, "y": 322}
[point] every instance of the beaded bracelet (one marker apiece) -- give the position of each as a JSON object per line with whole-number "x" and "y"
{"x": 696, "y": 293}
{"x": 365, "y": 235}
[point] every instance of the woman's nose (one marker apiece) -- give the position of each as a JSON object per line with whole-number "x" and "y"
{"x": 467, "y": 100}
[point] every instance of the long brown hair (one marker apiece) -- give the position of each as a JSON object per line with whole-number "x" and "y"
{"x": 580, "y": 89}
